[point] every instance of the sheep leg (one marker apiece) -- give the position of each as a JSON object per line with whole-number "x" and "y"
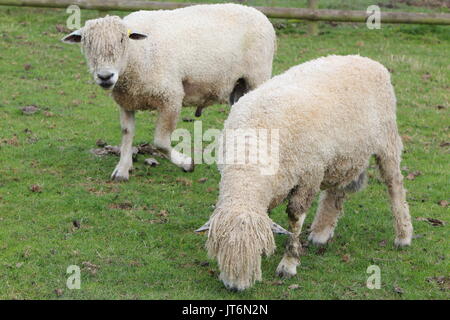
{"x": 389, "y": 166}
{"x": 239, "y": 90}
{"x": 165, "y": 125}
{"x": 127, "y": 123}
{"x": 299, "y": 203}
{"x": 328, "y": 212}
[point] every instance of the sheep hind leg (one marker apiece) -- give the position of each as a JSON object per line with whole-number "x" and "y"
{"x": 127, "y": 123}
{"x": 299, "y": 203}
{"x": 328, "y": 212}
{"x": 165, "y": 125}
{"x": 389, "y": 166}
{"x": 239, "y": 90}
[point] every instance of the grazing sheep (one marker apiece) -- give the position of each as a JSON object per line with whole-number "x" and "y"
{"x": 195, "y": 56}
{"x": 332, "y": 114}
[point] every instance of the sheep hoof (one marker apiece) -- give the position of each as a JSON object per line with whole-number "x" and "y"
{"x": 287, "y": 267}
{"x": 284, "y": 273}
{"x": 119, "y": 176}
{"x": 191, "y": 169}
{"x": 402, "y": 242}
{"x": 188, "y": 168}
{"x": 320, "y": 238}
{"x": 198, "y": 112}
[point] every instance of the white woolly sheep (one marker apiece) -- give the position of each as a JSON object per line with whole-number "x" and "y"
{"x": 332, "y": 114}
{"x": 194, "y": 56}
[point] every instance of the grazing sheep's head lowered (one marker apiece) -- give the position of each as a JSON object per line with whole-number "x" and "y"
{"x": 105, "y": 43}
{"x": 238, "y": 240}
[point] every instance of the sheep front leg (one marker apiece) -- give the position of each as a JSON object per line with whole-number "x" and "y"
{"x": 127, "y": 123}
{"x": 299, "y": 203}
{"x": 165, "y": 125}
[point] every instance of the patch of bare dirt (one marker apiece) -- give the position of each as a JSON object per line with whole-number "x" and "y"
{"x": 442, "y": 281}
{"x": 106, "y": 149}
{"x": 152, "y": 162}
{"x": 90, "y": 267}
{"x": 29, "y": 110}
{"x": 121, "y": 206}
{"x": 434, "y": 222}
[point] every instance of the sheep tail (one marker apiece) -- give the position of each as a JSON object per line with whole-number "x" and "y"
{"x": 238, "y": 241}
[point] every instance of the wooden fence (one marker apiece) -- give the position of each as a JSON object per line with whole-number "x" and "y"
{"x": 272, "y": 12}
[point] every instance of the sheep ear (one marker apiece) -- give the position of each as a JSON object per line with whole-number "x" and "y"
{"x": 136, "y": 35}
{"x": 276, "y": 228}
{"x": 203, "y": 228}
{"x": 74, "y": 37}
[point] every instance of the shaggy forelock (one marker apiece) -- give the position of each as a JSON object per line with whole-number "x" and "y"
{"x": 104, "y": 40}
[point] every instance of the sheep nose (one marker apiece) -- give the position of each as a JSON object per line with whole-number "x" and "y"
{"x": 105, "y": 75}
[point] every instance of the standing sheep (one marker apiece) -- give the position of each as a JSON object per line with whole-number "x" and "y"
{"x": 195, "y": 56}
{"x": 332, "y": 114}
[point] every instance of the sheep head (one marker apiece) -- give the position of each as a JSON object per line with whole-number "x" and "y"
{"x": 238, "y": 241}
{"x": 105, "y": 43}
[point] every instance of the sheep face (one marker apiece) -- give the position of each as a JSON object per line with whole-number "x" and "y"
{"x": 238, "y": 240}
{"x": 105, "y": 43}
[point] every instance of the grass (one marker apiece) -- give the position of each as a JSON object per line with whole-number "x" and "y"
{"x": 133, "y": 252}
